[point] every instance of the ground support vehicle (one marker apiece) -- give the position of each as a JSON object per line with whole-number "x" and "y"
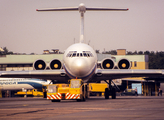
{"x": 97, "y": 89}
{"x": 74, "y": 90}
{"x": 129, "y": 92}
{"x": 33, "y": 93}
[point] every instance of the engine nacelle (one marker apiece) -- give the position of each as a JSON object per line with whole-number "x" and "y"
{"x": 55, "y": 64}
{"x": 124, "y": 64}
{"x": 39, "y": 65}
{"x": 107, "y": 64}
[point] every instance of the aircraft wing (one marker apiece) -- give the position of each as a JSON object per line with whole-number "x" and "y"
{"x": 106, "y": 74}
{"x": 60, "y": 76}
{"x": 55, "y": 75}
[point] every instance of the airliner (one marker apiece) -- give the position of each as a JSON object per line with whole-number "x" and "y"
{"x": 22, "y": 83}
{"x": 80, "y": 61}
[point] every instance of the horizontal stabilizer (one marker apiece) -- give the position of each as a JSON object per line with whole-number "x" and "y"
{"x": 59, "y": 9}
{"x": 82, "y": 8}
{"x": 105, "y": 9}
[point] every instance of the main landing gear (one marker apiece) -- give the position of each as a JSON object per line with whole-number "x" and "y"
{"x": 111, "y": 91}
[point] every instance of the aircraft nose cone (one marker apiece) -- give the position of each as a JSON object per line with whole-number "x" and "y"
{"x": 80, "y": 67}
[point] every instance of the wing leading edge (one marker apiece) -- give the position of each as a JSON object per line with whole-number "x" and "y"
{"x": 101, "y": 74}
{"x": 55, "y": 75}
{"x": 104, "y": 74}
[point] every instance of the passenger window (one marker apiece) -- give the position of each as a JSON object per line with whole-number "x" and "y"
{"x": 81, "y": 55}
{"x": 77, "y": 54}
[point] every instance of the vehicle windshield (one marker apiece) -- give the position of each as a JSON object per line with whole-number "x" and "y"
{"x": 75, "y": 84}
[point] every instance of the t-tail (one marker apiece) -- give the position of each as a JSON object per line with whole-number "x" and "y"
{"x": 82, "y": 9}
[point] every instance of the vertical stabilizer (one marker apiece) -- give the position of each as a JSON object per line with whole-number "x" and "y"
{"x": 82, "y": 10}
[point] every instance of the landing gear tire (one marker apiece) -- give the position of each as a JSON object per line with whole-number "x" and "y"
{"x": 113, "y": 93}
{"x": 83, "y": 99}
{"x": 106, "y": 93}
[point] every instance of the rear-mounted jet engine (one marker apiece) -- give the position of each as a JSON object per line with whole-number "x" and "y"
{"x": 39, "y": 65}
{"x": 55, "y": 64}
{"x": 107, "y": 64}
{"x": 124, "y": 64}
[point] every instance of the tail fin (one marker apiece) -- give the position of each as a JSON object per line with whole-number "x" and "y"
{"x": 82, "y": 9}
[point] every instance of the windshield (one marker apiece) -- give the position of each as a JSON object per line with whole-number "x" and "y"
{"x": 75, "y": 83}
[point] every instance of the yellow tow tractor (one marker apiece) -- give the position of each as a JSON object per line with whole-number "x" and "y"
{"x": 34, "y": 93}
{"x": 74, "y": 90}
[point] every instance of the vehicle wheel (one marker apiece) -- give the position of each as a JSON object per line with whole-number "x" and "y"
{"x": 78, "y": 100}
{"x": 106, "y": 93}
{"x": 83, "y": 99}
{"x": 55, "y": 100}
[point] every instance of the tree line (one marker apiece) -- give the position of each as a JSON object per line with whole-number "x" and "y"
{"x": 5, "y": 51}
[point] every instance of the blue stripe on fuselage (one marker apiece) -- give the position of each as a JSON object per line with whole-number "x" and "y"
{"x": 33, "y": 84}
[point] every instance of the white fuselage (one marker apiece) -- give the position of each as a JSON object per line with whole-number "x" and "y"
{"x": 80, "y": 61}
{"x": 19, "y": 83}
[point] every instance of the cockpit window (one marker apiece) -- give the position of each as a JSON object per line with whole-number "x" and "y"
{"x": 74, "y": 55}
{"x": 70, "y": 55}
{"x": 83, "y": 54}
{"x": 91, "y": 54}
{"x": 88, "y": 55}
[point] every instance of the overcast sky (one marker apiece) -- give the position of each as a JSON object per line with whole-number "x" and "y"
{"x": 24, "y": 30}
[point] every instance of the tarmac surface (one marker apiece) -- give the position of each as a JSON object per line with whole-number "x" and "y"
{"x": 124, "y": 107}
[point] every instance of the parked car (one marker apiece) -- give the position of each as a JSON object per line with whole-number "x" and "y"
{"x": 129, "y": 92}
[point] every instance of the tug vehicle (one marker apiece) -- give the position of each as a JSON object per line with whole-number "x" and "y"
{"x": 74, "y": 90}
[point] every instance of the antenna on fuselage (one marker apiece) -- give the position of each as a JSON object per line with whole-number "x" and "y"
{"x": 82, "y": 9}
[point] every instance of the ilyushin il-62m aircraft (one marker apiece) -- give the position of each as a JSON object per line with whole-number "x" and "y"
{"x": 80, "y": 61}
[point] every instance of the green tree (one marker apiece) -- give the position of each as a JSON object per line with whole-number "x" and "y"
{"x": 5, "y": 52}
{"x": 140, "y": 53}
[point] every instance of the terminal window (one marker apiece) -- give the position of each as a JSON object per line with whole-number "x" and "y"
{"x": 3, "y": 67}
{"x": 135, "y": 63}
